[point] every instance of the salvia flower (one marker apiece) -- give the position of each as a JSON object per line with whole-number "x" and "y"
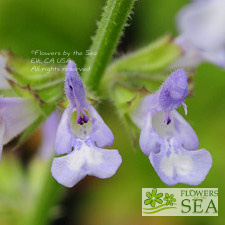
{"x": 202, "y": 33}
{"x": 167, "y": 139}
{"x": 16, "y": 114}
{"x": 81, "y": 135}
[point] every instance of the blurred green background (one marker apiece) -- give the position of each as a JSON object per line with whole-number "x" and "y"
{"x": 52, "y": 25}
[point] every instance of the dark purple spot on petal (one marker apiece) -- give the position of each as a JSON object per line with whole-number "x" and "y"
{"x": 168, "y": 121}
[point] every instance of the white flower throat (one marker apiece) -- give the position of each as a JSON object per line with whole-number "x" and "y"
{"x": 80, "y": 131}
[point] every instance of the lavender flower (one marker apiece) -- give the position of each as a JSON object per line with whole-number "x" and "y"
{"x": 202, "y": 33}
{"x": 49, "y": 129}
{"x": 81, "y": 134}
{"x": 16, "y": 114}
{"x": 167, "y": 139}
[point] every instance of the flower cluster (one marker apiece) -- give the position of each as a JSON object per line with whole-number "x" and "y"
{"x": 81, "y": 134}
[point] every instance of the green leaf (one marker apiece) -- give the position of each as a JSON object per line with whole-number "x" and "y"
{"x": 52, "y": 94}
{"x": 148, "y": 60}
{"x": 123, "y": 98}
{"x": 24, "y": 72}
{"x": 21, "y": 91}
{"x": 7, "y": 93}
{"x": 47, "y": 89}
{"x": 146, "y": 67}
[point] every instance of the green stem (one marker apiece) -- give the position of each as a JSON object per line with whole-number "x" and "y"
{"x": 107, "y": 36}
{"x": 47, "y": 198}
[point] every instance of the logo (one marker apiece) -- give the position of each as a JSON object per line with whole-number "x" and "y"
{"x": 179, "y": 201}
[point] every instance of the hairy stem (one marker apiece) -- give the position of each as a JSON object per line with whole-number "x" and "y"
{"x": 107, "y": 36}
